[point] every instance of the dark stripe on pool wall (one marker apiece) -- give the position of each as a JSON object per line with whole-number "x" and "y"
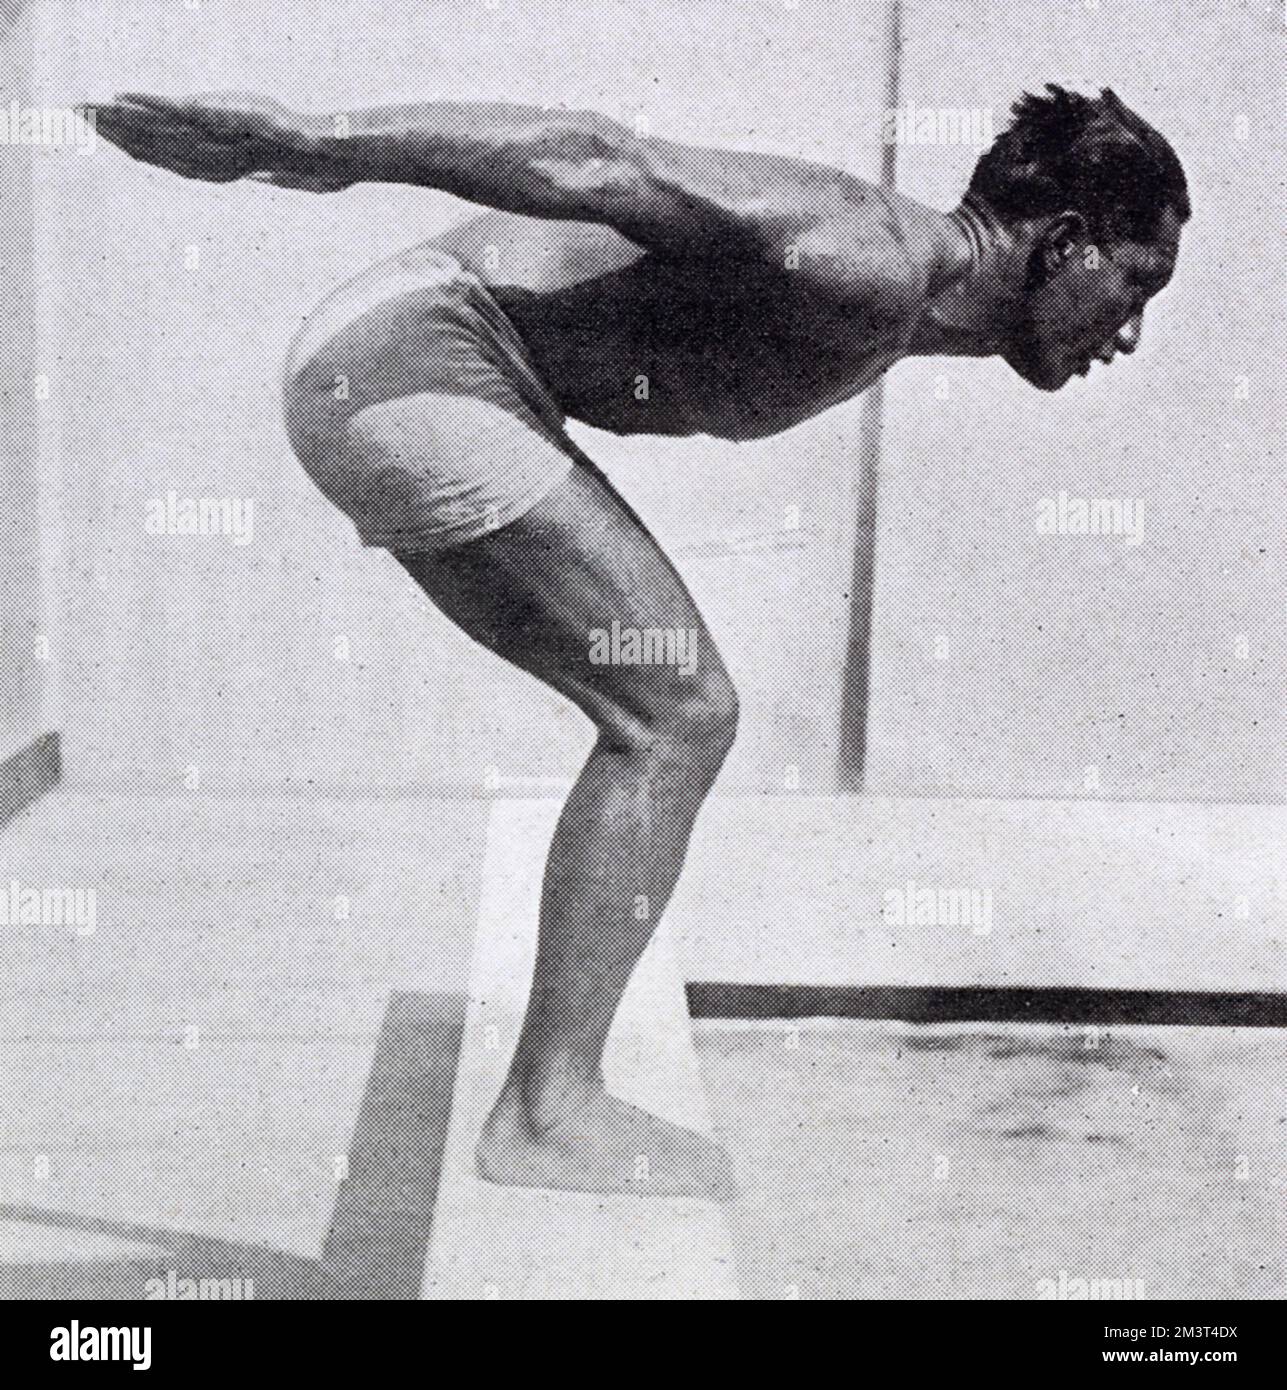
{"x": 1035, "y": 1004}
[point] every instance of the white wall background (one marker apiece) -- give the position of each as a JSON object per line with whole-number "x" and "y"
{"x": 22, "y": 677}
{"x": 190, "y": 651}
{"x": 1072, "y": 652}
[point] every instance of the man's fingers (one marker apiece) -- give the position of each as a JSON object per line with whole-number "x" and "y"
{"x": 180, "y": 120}
{"x": 181, "y": 148}
{"x": 128, "y": 120}
{"x": 230, "y": 117}
{"x": 154, "y": 124}
{"x": 155, "y": 113}
{"x": 147, "y": 142}
{"x": 215, "y": 142}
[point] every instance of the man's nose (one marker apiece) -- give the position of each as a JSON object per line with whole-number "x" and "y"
{"x": 1127, "y": 338}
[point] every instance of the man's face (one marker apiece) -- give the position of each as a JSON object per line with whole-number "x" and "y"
{"x": 1090, "y": 302}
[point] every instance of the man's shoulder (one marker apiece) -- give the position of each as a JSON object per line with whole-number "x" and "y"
{"x": 862, "y": 252}
{"x": 840, "y": 240}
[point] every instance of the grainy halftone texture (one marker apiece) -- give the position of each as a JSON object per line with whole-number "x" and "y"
{"x": 587, "y": 318}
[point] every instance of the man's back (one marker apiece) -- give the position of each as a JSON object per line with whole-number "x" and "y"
{"x": 635, "y": 341}
{"x": 660, "y": 287}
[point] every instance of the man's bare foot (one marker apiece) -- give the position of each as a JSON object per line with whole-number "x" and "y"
{"x": 603, "y": 1145}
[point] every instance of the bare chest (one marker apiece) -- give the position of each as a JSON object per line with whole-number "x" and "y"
{"x": 689, "y": 349}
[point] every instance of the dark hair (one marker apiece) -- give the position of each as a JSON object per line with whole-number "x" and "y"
{"x": 1091, "y": 155}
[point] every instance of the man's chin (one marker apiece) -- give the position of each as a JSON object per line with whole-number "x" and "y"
{"x": 1043, "y": 377}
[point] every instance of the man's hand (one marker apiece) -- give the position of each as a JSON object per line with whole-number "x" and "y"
{"x": 221, "y": 138}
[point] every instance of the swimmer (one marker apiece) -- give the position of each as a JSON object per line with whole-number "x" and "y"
{"x": 654, "y": 288}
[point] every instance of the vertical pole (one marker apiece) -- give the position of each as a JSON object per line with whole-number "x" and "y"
{"x": 851, "y": 774}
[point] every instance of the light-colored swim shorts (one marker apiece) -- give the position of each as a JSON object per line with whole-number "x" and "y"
{"x": 414, "y": 405}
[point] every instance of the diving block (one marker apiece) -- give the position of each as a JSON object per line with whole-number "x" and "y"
{"x": 492, "y": 1242}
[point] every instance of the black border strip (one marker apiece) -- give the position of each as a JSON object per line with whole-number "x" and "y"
{"x": 980, "y": 1004}
{"x": 28, "y": 774}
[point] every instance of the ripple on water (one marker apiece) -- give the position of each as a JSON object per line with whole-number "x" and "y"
{"x": 1064, "y": 1085}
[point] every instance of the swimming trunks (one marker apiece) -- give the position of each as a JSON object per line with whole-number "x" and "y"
{"x": 414, "y": 405}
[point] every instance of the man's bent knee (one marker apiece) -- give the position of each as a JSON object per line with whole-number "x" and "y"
{"x": 698, "y": 725}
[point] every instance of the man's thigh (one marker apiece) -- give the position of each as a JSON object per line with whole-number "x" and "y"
{"x": 577, "y": 592}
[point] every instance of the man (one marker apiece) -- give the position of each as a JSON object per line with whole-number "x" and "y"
{"x": 643, "y": 286}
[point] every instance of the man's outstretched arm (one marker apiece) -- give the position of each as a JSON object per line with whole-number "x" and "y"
{"x": 576, "y": 166}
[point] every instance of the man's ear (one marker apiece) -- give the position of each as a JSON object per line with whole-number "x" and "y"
{"x": 1064, "y": 237}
